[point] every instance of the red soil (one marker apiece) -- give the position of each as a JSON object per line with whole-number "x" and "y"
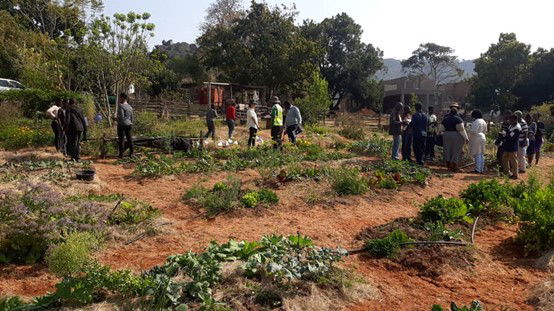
{"x": 500, "y": 277}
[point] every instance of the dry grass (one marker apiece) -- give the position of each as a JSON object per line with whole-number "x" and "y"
{"x": 543, "y": 296}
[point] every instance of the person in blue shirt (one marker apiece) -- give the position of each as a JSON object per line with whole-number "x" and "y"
{"x": 419, "y": 131}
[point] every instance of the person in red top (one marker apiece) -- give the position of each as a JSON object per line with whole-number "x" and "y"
{"x": 231, "y": 116}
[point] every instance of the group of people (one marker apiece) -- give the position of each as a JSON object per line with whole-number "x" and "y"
{"x": 70, "y": 126}
{"x": 286, "y": 117}
{"x": 519, "y": 141}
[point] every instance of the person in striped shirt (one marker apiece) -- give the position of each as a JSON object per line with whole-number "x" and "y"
{"x": 523, "y": 142}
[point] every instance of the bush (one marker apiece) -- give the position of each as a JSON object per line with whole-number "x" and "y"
{"x": 71, "y": 256}
{"x": 33, "y": 100}
{"x": 23, "y": 133}
{"x": 388, "y": 246}
{"x": 317, "y": 103}
{"x": 440, "y": 209}
{"x": 37, "y": 217}
{"x": 487, "y": 196}
{"x": 349, "y": 181}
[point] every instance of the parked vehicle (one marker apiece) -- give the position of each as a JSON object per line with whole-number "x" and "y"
{"x": 7, "y": 84}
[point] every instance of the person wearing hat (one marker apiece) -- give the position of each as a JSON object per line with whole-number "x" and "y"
{"x": 523, "y": 142}
{"x": 454, "y": 138}
{"x": 277, "y": 123}
{"x": 230, "y": 117}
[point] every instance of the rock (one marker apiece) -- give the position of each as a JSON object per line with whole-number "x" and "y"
{"x": 546, "y": 262}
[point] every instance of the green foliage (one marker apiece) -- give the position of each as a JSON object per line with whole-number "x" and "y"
{"x": 25, "y": 133}
{"x": 400, "y": 172}
{"x": 439, "y": 232}
{"x": 352, "y": 128}
{"x": 374, "y": 146}
{"x": 253, "y": 198}
{"x": 388, "y": 246}
{"x": 440, "y": 209}
{"x": 388, "y": 183}
{"x": 317, "y": 102}
{"x": 349, "y": 181}
{"x": 435, "y": 62}
{"x": 487, "y": 196}
{"x": 71, "y": 256}
{"x": 133, "y": 212}
{"x": 38, "y": 100}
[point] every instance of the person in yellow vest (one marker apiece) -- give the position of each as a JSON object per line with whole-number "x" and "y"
{"x": 277, "y": 123}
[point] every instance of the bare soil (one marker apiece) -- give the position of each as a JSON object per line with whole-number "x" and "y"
{"x": 499, "y": 276}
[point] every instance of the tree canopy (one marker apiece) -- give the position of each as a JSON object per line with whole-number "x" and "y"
{"x": 435, "y": 62}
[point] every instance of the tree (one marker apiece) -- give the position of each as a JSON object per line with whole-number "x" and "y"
{"x": 317, "y": 101}
{"x": 498, "y": 72}
{"x": 345, "y": 62}
{"x": 435, "y": 62}
{"x": 264, "y": 47}
{"x": 222, "y": 14}
{"x": 115, "y": 55}
{"x": 537, "y": 86}
{"x": 181, "y": 58}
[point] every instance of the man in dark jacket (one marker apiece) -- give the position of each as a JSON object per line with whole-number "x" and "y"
{"x": 75, "y": 129}
{"x": 510, "y": 147}
{"x": 419, "y": 130}
{"x": 125, "y": 119}
{"x": 395, "y": 129}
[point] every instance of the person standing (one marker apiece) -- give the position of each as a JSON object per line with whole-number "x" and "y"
{"x": 395, "y": 129}
{"x": 231, "y": 116}
{"x": 532, "y": 140}
{"x": 407, "y": 134}
{"x": 211, "y": 115}
{"x": 419, "y": 125}
{"x": 56, "y": 114}
{"x": 503, "y": 128}
{"x": 478, "y": 140}
{"x": 75, "y": 129}
{"x": 432, "y": 132}
{"x": 539, "y": 137}
{"x": 510, "y": 146}
{"x": 277, "y": 123}
{"x": 454, "y": 138}
{"x": 125, "y": 119}
{"x": 523, "y": 142}
{"x": 252, "y": 124}
{"x": 293, "y": 121}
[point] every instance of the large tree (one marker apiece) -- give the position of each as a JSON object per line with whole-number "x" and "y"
{"x": 223, "y": 13}
{"x": 265, "y": 47}
{"x": 537, "y": 86}
{"x": 498, "y": 71}
{"x": 435, "y": 62}
{"x": 345, "y": 61}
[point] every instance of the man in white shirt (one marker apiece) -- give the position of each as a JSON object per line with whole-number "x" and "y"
{"x": 431, "y": 135}
{"x": 252, "y": 124}
{"x": 56, "y": 113}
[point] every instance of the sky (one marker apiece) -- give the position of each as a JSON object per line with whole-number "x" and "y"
{"x": 397, "y": 27}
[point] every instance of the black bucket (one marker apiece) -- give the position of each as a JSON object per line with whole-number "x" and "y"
{"x": 86, "y": 175}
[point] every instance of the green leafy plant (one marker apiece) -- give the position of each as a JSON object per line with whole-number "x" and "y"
{"x": 388, "y": 246}
{"x": 440, "y": 209}
{"x": 349, "y": 181}
{"x": 475, "y": 306}
{"x": 487, "y": 196}
{"x": 71, "y": 256}
{"x": 132, "y": 212}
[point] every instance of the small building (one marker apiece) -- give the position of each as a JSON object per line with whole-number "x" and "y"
{"x": 402, "y": 89}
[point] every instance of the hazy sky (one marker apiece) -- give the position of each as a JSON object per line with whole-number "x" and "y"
{"x": 395, "y": 26}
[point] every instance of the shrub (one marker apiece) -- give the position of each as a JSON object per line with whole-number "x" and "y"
{"x": 38, "y": 217}
{"x": 317, "y": 103}
{"x": 133, "y": 212}
{"x": 440, "y": 209}
{"x": 71, "y": 256}
{"x": 353, "y": 131}
{"x": 349, "y": 181}
{"x": 222, "y": 198}
{"x": 487, "y": 196}
{"x": 388, "y": 246}
{"x": 24, "y": 133}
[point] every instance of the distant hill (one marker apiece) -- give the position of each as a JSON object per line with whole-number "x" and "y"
{"x": 393, "y": 70}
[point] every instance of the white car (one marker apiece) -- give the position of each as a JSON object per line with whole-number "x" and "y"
{"x": 7, "y": 84}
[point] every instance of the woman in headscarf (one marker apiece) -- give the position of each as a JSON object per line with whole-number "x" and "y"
{"x": 454, "y": 138}
{"x": 478, "y": 140}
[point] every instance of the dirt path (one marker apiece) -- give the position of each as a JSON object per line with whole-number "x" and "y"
{"x": 498, "y": 279}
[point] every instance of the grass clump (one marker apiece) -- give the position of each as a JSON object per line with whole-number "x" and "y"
{"x": 388, "y": 246}
{"x": 349, "y": 181}
{"x": 71, "y": 256}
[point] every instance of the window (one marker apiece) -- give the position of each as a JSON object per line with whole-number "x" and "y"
{"x": 16, "y": 85}
{"x": 4, "y": 83}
